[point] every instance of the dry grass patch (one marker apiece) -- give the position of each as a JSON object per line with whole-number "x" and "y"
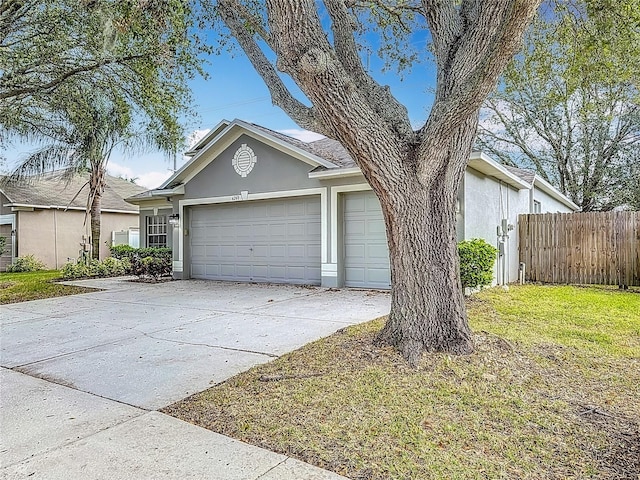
{"x": 512, "y": 409}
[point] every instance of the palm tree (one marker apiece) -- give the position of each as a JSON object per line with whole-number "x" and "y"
{"x": 90, "y": 128}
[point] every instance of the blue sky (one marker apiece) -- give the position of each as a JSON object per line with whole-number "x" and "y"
{"x": 234, "y": 90}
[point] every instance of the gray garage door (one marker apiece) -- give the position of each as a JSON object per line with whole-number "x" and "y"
{"x": 366, "y": 255}
{"x": 258, "y": 241}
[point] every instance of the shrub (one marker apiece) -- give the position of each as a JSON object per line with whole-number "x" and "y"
{"x": 3, "y": 243}
{"x": 28, "y": 263}
{"x": 132, "y": 259}
{"x": 109, "y": 267}
{"x": 121, "y": 251}
{"x": 116, "y": 267}
{"x": 154, "y": 267}
{"x": 477, "y": 258}
{"x": 75, "y": 270}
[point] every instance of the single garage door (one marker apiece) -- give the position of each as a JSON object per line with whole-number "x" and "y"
{"x": 257, "y": 241}
{"x": 366, "y": 254}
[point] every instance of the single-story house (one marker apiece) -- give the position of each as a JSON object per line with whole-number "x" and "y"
{"x": 45, "y": 218}
{"x": 255, "y": 205}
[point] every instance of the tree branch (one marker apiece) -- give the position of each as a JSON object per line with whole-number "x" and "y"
{"x": 379, "y": 98}
{"x": 19, "y": 92}
{"x": 231, "y": 14}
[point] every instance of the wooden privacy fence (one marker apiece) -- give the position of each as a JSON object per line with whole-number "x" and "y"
{"x": 581, "y": 248}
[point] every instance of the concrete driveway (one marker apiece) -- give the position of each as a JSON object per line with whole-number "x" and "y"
{"x": 82, "y": 375}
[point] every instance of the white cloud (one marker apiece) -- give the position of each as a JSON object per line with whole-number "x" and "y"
{"x": 303, "y": 135}
{"x": 153, "y": 179}
{"x": 148, "y": 180}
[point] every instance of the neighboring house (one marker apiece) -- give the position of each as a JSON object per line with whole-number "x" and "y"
{"x": 255, "y": 205}
{"x": 45, "y": 218}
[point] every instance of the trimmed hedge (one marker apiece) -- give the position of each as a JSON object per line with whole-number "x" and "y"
{"x": 145, "y": 262}
{"x": 477, "y": 258}
{"x": 109, "y": 267}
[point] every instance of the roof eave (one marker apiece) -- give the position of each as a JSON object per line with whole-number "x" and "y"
{"x": 484, "y": 164}
{"x": 152, "y": 195}
{"x": 303, "y": 153}
{"x": 17, "y": 206}
{"x": 549, "y": 189}
{"x": 336, "y": 173}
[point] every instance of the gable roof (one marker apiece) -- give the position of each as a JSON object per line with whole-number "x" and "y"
{"x": 527, "y": 175}
{"x": 232, "y": 130}
{"x": 330, "y": 159}
{"x": 52, "y": 190}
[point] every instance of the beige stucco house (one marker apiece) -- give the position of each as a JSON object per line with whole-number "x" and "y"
{"x": 45, "y": 217}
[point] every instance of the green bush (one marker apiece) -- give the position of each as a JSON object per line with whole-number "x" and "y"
{"x": 109, "y": 267}
{"x": 134, "y": 260}
{"x": 477, "y": 258}
{"x": 28, "y": 263}
{"x": 121, "y": 251}
{"x": 154, "y": 267}
{"x": 75, "y": 270}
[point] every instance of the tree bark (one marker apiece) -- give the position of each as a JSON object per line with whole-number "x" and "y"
{"x": 96, "y": 190}
{"x": 427, "y": 303}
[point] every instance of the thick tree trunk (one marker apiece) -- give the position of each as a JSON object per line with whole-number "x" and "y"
{"x": 415, "y": 174}
{"x": 427, "y": 307}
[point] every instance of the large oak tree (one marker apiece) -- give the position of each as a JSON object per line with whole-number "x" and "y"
{"x": 414, "y": 173}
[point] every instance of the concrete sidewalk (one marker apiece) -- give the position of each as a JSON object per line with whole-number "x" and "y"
{"x": 54, "y": 432}
{"x": 82, "y": 376}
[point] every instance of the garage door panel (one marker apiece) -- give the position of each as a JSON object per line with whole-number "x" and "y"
{"x": 297, "y": 251}
{"x": 277, "y": 210}
{"x": 276, "y": 241}
{"x": 366, "y": 254}
{"x": 376, "y": 227}
{"x": 198, "y": 269}
{"x": 355, "y": 252}
{"x": 276, "y": 251}
{"x": 314, "y": 229}
{"x": 378, "y": 252}
{"x": 355, "y": 227}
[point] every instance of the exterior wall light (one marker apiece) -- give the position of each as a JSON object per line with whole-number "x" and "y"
{"x": 174, "y": 219}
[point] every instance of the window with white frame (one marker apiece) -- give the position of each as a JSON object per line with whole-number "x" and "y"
{"x": 157, "y": 231}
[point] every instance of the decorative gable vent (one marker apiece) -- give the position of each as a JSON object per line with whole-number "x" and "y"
{"x": 244, "y": 160}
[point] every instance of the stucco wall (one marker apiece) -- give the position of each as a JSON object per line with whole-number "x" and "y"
{"x": 273, "y": 171}
{"x": 54, "y": 236}
{"x": 486, "y": 202}
{"x": 548, "y": 204}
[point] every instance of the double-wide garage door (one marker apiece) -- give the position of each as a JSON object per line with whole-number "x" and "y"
{"x": 257, "y": 241}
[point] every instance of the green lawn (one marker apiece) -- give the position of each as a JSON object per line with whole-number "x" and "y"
{"x": 22, "y": 287}
{"x": 552, "y": 391}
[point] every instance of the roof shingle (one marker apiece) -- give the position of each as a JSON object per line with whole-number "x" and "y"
{"x": 53, "y": 189}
